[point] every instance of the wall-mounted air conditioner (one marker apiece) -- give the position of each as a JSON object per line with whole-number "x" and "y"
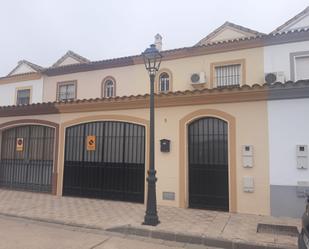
{"x": 273, "y": 77}
{"x": 198, "y": 78}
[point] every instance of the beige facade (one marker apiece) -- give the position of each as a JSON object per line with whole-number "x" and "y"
{"x": 133, "y": 80}
{"x": 228, "y": 53}
{"x": 172, "y": 167}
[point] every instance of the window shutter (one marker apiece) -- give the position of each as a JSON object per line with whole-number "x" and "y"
{"x": 302, "y": 68}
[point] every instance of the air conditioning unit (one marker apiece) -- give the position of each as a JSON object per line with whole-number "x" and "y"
{"x": 273, "y": 77}
{"x": 198, "y": 78}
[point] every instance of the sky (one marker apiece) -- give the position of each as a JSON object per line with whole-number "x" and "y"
{"x": 41, "y": 31}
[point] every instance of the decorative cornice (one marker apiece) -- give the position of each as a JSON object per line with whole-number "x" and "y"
{"x": 20, "y": 77}
{"x": 245, "y": 93}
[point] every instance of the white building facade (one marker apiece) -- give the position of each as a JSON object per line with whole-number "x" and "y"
{"x": 288, "y": 120}
{"x": 23, "y": 85}
{"x": 13, "y": 93}
{"x": 289, "y": 61}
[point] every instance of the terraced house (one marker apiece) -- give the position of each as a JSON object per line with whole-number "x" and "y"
{"x": 235, "y": 143}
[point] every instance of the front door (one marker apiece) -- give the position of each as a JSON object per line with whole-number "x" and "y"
{"x": 208, "y": 164}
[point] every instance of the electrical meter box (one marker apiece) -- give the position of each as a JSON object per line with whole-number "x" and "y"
{"x": 248, "y": 184}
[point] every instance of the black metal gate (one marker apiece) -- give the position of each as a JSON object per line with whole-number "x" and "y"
{"x": 112, "y": 167}
{"x": 27, "y": 158}
{"x": 208, "y": 164}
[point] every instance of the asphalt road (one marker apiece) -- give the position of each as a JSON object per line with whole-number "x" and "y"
{"x": 18, "y": 233}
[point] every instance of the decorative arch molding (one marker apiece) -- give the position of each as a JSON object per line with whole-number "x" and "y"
{"x": 183, "y": 154}
{"x": 104, "y": 83}
{"x": 96, "y": 118}
{"x": 21, "y": 122}
{"x": 157, "y": 82}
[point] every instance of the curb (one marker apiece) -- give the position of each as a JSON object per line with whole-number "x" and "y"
{"x": 192, "y": 239}
{"x": 129, "y": 230}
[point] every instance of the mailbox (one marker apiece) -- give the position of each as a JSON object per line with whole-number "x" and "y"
{"x": 165, "y": 145}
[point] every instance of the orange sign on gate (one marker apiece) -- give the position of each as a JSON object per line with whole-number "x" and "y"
{"x": 91, "y": 143}
{"x": 19, "y": 144}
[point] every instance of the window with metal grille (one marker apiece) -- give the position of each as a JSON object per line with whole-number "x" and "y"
{"x": 23, "y": 97}
{"x": 109, "y": 89}
{"x": 164, "y": 82}
{"x": 66, "y": 91}
{"x": 228, "y": 75}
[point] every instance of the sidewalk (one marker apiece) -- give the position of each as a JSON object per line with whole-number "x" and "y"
{"x": 112, "y": 215}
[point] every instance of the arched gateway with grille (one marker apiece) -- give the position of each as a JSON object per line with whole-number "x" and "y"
{"x": 208, "y": 164}
{"x": 105, "y": 159}
{"x": 27, "y": 154}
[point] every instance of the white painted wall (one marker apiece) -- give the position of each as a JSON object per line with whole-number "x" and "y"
{"x": 277, "y": 57}
{"x": 8, "y": 91}
{"x": 229, "y": 33}
{"x": 68, "y": 61}
{"x": 288, "y": 122}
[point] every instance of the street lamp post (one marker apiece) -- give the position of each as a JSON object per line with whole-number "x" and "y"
{"x": 152, "y": 59}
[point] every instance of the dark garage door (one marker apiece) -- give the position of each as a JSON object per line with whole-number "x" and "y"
{"x": 208, "y": 164}
{"x": 27, "y": 158}
{"x": 105, "y": 160}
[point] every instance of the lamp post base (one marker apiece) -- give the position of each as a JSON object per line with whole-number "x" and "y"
{"x": 151, "y": 220}
{"x": 151, "y": 215}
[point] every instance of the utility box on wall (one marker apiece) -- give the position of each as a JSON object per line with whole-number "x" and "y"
{"x": 247, "y": 156}
{"x": 248, "y": 184}
{"x": 302, "y": 156}
{"x": 165, "y": 145}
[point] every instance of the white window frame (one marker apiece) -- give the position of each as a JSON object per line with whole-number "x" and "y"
{"x": 66, "y": 84}
{"x": 293, "y": 57}
{"x": 23, "y": 89}
{"x": 164, "y": 81}
{"x": 109, "y": 90}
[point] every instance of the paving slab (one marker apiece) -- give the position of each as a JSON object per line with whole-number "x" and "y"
{"x": 24, "y": 234}
{"x": 103, "y": 214}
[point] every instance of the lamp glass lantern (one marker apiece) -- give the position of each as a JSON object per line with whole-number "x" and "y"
{"x": 152, "y": 59}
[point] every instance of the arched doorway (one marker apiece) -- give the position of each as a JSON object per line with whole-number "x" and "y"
{"x": 208, "y": 164}
{"x": 27, "y": 153}
{"x": 105, "y": 159}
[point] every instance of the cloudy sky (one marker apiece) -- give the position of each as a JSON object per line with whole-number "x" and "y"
{"x": 41, "y": 31}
